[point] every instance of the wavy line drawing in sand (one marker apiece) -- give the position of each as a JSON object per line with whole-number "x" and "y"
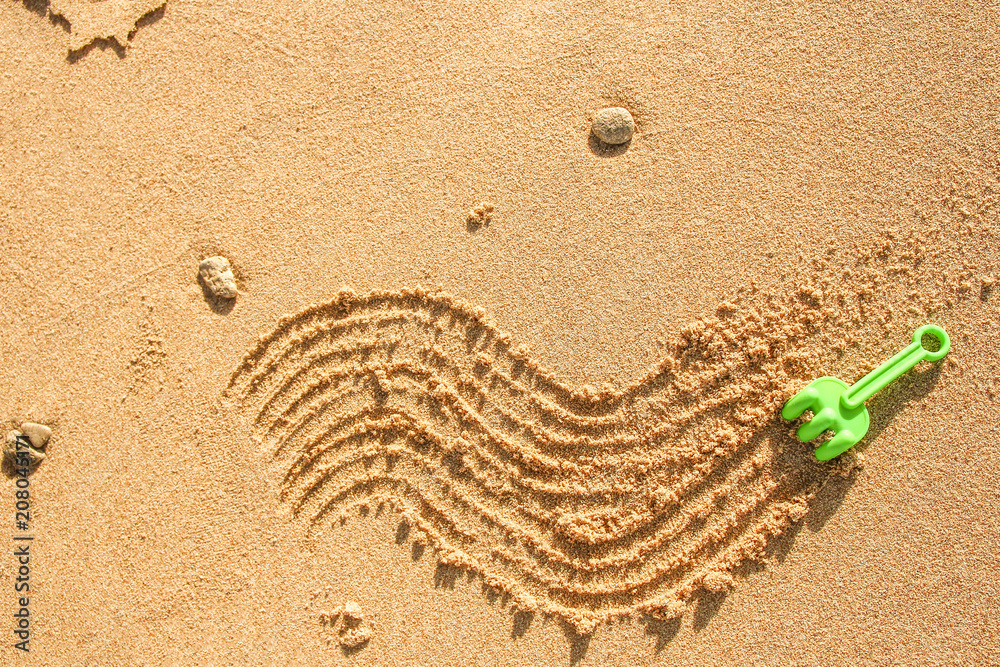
{"x": 587, "y": 503}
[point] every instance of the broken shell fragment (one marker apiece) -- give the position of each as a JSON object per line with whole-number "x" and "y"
{"x": 38, "y": 434}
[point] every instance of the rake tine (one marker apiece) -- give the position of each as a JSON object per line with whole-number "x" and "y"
{"x": 836, "y": 446}
{"x": 823, "y": 420}
{"x": 799, "y": 403}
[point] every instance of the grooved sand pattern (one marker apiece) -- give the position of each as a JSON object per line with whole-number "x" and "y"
{"x": 585, "y": 502}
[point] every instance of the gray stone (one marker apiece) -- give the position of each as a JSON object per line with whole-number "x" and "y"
{"x": 14, "y": 456}
{"x": 218, "y": 277}
{"x": 10, "y": 443}
{"x": 613, "y": 125}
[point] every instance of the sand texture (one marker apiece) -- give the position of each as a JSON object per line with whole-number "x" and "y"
{"x": 465, "y": 384}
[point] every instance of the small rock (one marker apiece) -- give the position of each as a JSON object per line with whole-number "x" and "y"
{"x": 10, "y": 443}
{"x": 218, "y": 277}
{"x": 613, "y": 125}
{"x": 14, "y": 456}
{"x": 352, "y": 611}
{"x": 39, "y": 434}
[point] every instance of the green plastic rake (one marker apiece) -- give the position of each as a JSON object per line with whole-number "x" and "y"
{"x": 841, "y": 408}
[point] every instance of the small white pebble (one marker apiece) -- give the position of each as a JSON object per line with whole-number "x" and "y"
{"x": 613, "y": 125}
{"x": 218, "y": 277}
{"x": 39, "y": 434}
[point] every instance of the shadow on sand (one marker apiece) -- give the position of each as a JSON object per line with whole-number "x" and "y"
{"x": 42, "y": 9}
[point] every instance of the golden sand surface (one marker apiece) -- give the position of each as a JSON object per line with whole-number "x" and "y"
{"x": 493, "y": 392}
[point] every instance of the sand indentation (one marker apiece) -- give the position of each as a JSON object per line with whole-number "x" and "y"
{"x": 587, "y": 503}
{"x": 583, "y": 502}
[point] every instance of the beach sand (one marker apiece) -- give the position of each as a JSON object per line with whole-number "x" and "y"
{"x": 493, "y": 392}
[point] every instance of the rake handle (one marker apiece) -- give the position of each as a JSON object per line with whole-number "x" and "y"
{"x": 903, "y": 361}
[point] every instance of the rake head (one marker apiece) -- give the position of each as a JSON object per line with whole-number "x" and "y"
{"x": 840, "y": 408}
{"x": 823, "y": 398}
